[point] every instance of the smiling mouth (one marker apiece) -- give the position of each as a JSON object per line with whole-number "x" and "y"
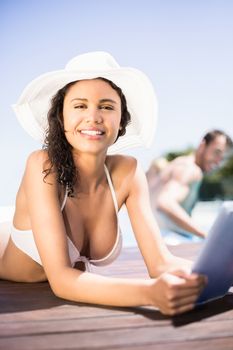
{"x": 92, "y": 132}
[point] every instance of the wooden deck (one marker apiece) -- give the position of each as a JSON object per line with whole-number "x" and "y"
{"x": 31, "y": 317}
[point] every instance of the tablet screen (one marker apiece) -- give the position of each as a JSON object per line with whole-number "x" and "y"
{"x": 216, "y": 257}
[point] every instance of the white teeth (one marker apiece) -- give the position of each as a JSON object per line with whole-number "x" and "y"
{"x": 91, "y": 132}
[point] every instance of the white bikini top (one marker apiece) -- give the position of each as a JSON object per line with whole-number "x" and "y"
{"x": 24, "y": 239}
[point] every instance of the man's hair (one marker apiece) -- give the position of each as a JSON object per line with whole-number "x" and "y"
{"x": 211, "y": 136}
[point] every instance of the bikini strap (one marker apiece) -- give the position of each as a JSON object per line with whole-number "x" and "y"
{"x": 111, "y": 188}
{"x": 65, "y": 198}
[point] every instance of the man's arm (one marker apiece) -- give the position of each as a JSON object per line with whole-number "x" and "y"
{"x": 172, "y": 193}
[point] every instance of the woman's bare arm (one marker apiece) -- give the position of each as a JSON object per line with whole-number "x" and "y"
{"x": 155, "y": 253}
{"x": 69, "y": 283}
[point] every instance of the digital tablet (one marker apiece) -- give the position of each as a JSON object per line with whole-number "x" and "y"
{"x": 216, "y": 257}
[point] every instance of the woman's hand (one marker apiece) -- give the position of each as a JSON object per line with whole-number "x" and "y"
{"x": 176, "y": 292}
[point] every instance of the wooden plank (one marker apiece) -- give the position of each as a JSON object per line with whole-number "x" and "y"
{"x": 107, "y": 322}
{"x": 121, "y": 337}
{"x": 32, "y": 317}
{"x": 209, "y": 344}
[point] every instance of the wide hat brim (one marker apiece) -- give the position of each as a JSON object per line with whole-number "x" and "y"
{"x": 34, "y": 102}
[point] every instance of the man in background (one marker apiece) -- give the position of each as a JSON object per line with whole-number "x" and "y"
{"x": 174, "y": 185}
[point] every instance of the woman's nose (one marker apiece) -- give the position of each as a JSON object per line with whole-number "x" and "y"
{"x": 94, "y": 115}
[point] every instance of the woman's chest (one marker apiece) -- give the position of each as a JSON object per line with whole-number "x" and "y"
{"x": 91, "y": 224}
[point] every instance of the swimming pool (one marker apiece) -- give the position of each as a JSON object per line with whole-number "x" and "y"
{"x": 204, "y": 214}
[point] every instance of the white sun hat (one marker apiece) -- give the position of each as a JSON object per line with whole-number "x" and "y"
{"x": 34, "y": 102}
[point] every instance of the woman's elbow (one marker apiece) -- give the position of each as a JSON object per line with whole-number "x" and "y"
{"x": 57, "y": 283}
{"x": 63, "y": 282}
{"x": 57, "y": 289}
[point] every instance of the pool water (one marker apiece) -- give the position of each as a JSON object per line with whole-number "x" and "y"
{"x": 204, "y": 214}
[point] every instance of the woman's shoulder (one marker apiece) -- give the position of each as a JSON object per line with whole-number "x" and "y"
{"x": 38, "y": 160}
{"x": 122, "y": 169}
{"x": 37, "y": 165}
{"x": 121, "y": 164}
{"x": 37, "y": 157}
{"x": 37, "y": 172}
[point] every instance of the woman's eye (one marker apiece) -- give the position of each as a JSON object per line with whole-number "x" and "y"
{"x": 82, "y": 106}
{"x": 107, "y": 107}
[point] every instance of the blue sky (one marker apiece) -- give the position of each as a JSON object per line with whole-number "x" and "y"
{"x": 185, "y": 47}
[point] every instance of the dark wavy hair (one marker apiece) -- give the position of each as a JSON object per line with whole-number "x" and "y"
{"x": 213, "y": 134}
{"x": 60, "y": 158}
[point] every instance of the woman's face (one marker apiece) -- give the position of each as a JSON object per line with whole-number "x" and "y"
{"x": 91, "y": 115}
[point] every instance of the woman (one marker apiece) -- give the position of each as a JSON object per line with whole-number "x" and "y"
{"x": 67, "y": 204}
